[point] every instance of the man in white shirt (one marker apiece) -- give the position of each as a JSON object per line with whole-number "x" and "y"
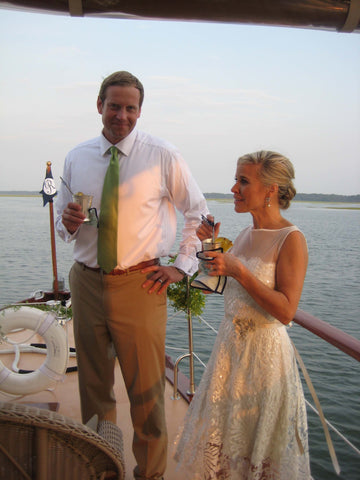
{"x": 116, "y": 309}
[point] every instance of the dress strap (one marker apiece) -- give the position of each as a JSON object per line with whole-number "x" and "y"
{"x": 320, "y": 411}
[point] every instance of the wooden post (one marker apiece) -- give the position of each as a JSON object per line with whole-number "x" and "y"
{"x": 49, "y": 191}
{"x": 53, "y": 250}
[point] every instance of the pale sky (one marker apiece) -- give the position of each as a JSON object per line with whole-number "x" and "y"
{"x": 216, "y": 91}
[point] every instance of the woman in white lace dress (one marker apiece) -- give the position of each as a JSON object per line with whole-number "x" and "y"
{"x": 247, "y": 420}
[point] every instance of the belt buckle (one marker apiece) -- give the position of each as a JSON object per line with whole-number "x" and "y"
{"x": 134, "y": 268}
{"x": 116, "y": 271}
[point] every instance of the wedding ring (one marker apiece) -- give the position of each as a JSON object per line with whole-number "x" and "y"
{"x": 159, "y": 280}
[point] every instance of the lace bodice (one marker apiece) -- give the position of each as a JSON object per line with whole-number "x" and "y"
{"x": 241, "y": 309}
{"x": 258, "y": 250}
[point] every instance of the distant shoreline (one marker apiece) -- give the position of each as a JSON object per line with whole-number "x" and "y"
{"x": 300, "y": 197}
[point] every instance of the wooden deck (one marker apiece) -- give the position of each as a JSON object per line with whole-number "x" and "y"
{"x": 65, "y": 398}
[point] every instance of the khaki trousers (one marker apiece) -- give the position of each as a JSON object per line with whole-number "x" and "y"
{"x": 115, "y": 314}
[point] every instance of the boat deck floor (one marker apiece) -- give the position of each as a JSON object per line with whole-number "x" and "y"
{"x": 64, "y": 397}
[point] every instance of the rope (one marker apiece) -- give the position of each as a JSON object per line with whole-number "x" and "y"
{"x": 320, "y": 411}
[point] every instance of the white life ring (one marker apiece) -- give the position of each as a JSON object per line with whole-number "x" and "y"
{"x": 54, "y": 367}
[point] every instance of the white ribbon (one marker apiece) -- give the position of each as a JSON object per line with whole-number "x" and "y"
{"x": 45, "y": 324}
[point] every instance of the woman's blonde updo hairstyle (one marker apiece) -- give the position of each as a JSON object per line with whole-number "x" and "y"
{"x": 274, "y": 168}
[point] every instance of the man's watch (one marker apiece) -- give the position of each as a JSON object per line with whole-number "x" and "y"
{"x": 181, "y": 271}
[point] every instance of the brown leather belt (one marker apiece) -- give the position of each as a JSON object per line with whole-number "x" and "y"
{"x": 117, "y": 271}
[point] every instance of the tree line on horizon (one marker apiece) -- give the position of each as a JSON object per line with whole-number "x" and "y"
{"x": 304, "y": 197}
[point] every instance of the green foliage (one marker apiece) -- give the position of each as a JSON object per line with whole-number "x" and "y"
{"x": 61, "y": 311}
{"x": 3, "y": 337}
{"x": 180, "y": 300}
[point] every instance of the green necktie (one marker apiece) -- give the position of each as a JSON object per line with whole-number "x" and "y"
{"x": 108, "y": 221}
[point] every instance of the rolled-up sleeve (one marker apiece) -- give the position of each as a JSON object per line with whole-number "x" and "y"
{"x": 189, "y": 200}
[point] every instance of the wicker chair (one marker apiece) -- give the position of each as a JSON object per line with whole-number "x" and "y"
{"x": 44, "y": 445}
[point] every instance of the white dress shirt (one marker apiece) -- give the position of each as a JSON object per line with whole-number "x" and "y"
{"x": 154, "y": 180}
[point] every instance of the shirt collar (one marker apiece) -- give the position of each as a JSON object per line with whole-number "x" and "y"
{"x": 124, "y": 146}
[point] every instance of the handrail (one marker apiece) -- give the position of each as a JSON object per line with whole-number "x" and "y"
{"x": 343, "y": 341}
{"x": 189, "y": 355}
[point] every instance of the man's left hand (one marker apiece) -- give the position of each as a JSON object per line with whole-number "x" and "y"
{"x": 161, "y": 278}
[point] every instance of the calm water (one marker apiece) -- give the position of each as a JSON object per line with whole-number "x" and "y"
{"x": 331, "y": 292}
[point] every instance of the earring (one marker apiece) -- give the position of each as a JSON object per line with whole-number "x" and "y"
{"x": 268, "y": 202}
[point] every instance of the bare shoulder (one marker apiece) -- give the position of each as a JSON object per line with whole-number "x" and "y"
{"x": 295, "y": 245}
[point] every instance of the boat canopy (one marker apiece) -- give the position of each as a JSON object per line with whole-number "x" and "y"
{"x": 335, "y": 15}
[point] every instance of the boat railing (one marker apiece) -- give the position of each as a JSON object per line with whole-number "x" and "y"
{"x": 341, "y": 340}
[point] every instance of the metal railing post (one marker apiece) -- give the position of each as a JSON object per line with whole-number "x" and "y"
{"x": 191, "y": 390}
{"x": 190, "y": 332}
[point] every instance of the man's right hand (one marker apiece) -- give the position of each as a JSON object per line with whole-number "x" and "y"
{"x": 72, "y": 217}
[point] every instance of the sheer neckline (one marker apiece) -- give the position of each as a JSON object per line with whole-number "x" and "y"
{"x": 253, "y": 229}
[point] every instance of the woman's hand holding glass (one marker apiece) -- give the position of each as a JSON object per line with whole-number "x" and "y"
{"x": 223, "y": 264}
